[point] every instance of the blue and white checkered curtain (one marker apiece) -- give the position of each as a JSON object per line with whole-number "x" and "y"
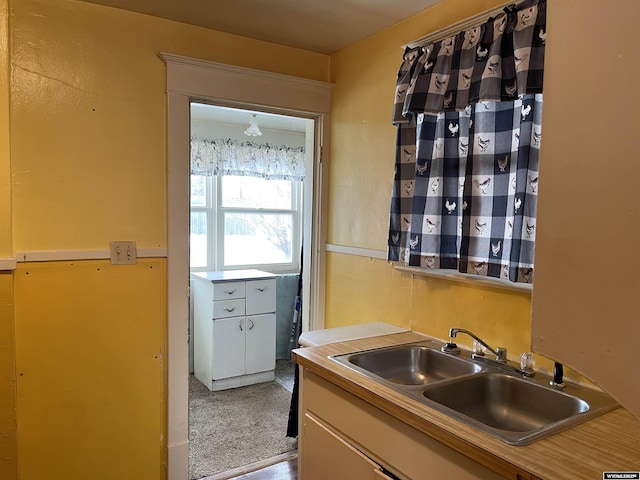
{"x": 468, "y": 112}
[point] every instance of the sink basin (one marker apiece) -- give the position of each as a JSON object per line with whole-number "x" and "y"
{"x": 512, "y": 408}
{"x": 492, "y": 397}
{"x": 410, "y": 364}
{"x": 507, "y": 403}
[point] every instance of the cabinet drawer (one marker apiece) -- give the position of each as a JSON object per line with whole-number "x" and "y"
{"x": 228, "y": 290}
{"x": 327, "y": 444}
{"x": 406, "y": 452}
{"x": 261, "y": 296}
{"x": 228, "y": 308}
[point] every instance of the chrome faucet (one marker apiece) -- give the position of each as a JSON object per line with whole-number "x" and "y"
{"x": 451, "y": 347}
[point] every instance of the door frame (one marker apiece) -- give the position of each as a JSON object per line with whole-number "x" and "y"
{"x": 190, "y": 80}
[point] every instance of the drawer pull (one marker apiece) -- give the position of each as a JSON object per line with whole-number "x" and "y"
{"x": 229, "y": 309}
{"x": 251, "y": 322}
{"x": 262, "y": 289}
{"x": 240, "y": 326}
{"x": 230, "y": 292}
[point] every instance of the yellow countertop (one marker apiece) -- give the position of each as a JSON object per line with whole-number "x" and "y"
{"x": 607, "y": 443}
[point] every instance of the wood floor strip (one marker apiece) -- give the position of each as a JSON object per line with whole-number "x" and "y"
{"x": 287, "y": 470}
{"x": 280, "y": 467}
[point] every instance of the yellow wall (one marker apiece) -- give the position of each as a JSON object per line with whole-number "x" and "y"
{"x": 8, "y": 441}
{"x": 90, "y": 364}
{"x": 89, "y": 118}
{"x": 362, "y": 137}
{"x": 88, "y": 159}
{"x": 5, "y": 166}
{"x": 361, "y": 174}
{"x": 87, "y": 138}
{"x": 362, "y": 289}
{"x": 5, "y": 174}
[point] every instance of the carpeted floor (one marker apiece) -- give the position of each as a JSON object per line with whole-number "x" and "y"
{"x": 236, "y": 427}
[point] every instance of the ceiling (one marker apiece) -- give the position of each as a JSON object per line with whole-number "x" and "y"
{"x": 240, "y": 117}
{"x": 322, "y": 26}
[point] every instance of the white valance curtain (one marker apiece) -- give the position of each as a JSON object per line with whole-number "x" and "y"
{"x": 247, "y": 159}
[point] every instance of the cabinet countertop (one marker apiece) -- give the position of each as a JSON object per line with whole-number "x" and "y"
{"x": 607, "y": 443}
{"x": 233, "y": 275}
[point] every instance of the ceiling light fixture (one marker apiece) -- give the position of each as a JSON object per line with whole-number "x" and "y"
{"x": 253, "y": 130}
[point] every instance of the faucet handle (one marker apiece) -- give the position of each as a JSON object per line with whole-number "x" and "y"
{"x": 501, "y": 354}
{"x": 478, "y": 348}
{"x": 527, "y": 363}
{"x": 451, "y": 348}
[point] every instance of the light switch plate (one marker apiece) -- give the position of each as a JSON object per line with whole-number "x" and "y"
{"x": 123, "y": 253}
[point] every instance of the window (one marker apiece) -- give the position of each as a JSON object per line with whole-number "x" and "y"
{"x": 245, "y": 222}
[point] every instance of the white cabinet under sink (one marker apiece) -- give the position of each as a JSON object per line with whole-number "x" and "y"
{"x": 234, "y": 328}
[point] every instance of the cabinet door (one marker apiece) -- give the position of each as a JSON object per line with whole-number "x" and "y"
{"x": 261, "y": 343}
{"x": 228, "y": 347}
{"x": 261, "y": 296}
{"x": 326, "y": 455}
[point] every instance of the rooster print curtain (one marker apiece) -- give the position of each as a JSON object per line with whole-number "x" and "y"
{"x": 468, "y": 112}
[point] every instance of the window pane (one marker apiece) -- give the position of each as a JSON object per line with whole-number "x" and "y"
{"x": 198, "y": 191}
{"x": 250, "y": 192}
{"x": 257, "y": 238}
{"x": 198, "y": 240}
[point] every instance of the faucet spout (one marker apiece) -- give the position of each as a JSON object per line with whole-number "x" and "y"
{"x": 500, "y": 352}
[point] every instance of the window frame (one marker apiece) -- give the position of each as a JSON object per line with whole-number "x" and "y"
{"x": 215, "y": 217}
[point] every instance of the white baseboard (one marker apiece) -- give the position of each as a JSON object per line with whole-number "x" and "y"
{"x": 243, "y": 380}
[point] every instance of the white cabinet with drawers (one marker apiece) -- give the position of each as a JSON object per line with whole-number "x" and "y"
{"x": 234, "y": 328}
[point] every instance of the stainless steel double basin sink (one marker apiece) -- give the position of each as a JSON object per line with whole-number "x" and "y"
{"x": 496, "y": 399}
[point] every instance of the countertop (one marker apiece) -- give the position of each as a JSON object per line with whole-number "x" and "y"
{"x": 342, "y": 334}
{"x": 610, "y": 442}
{"x": 233, "y": 275}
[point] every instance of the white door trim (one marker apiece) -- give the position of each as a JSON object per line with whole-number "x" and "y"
{"x": 190, "y": 79}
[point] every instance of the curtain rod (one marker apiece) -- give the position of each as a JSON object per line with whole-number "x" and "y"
{"x": 458, "y": 27}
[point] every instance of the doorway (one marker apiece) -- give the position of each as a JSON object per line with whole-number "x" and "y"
{"x": 190, "y": 80}
{"x": 247, "y": 210}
